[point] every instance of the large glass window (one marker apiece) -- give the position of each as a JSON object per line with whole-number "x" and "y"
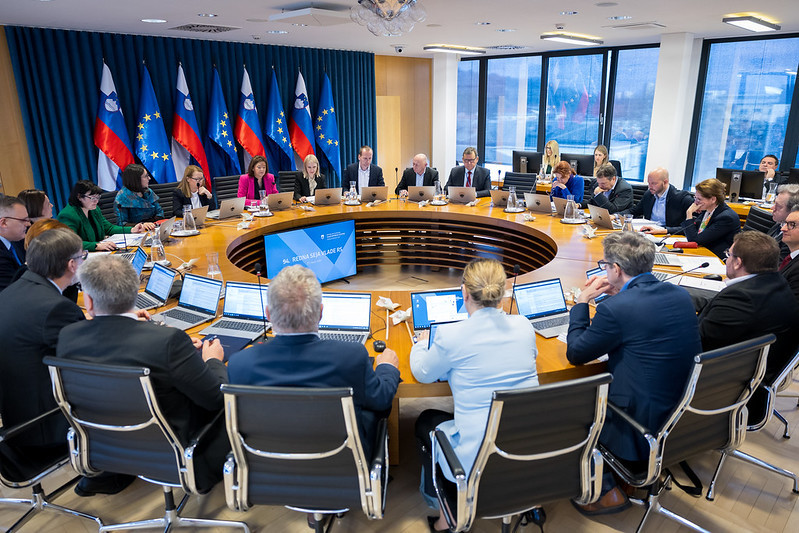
{"x": 468, "y": 99}
{"x": 512, "y": 96}
{"x": 574, "y": 89}
{"x": 636, "y": 73}
{"x": 746, "y": 102}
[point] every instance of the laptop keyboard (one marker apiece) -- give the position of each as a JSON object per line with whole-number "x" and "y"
{"x": 183, "y": 316}
{"x": 240, "y": 326}
{"x": 660, "y": 276}
{"x": 666, "y": 259}
{"x": 550, "y": 322}
{"x": 144, "y": 300}
{"x": 346, "y": 337}
{"x": 127, "y": 256}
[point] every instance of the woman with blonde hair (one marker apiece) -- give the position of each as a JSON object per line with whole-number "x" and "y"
{"x": 600, "y": 157}
{"x": 488, "y": 351}
{"x": 551, "y": 156}
{"x": 311, "y": 179}
{"x": 191, "y": 191}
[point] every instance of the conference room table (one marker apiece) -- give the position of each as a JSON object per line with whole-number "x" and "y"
{"x": 399, "y": 232}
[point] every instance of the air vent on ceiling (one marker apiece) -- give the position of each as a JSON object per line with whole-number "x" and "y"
{"x": 637, "y": 26}
{"x": 506, "y": 47}
{"x": 312, "y": 16}
{"x": 204, "y": 28}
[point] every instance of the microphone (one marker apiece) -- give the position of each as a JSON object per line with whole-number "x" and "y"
{"x": 261, "y": 295}
{"x": 665, "y": 237}
{"x": 396, "y": 178}
{"x": 516, "y": 269}
{"x": 703, "y": 265}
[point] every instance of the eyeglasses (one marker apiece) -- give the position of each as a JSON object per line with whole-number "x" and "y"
{"x": 787, "y": 224}
{"x": 603, "y": 264}
{"x": 92, "y": 197}
{"x": 469, "y": 160}
{"x": 23, "y": 220}
{"x": 83, "y": 255}
{"x": 728, "y": 253}
{"x": 197, "y": 179}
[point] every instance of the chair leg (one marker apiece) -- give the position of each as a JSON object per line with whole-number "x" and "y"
{"x": 787, "y": 433}
{"x": 711, "y": 488}
{"x": 652, "y": 505}
{"x": 506, "y": 523}
{"x": 768, "y": 466}
{"x": 39, "y": 502}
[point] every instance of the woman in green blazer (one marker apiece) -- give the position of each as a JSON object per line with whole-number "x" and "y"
{"x": 84, "y": 218}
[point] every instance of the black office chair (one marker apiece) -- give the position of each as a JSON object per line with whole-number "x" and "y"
{"x": 164, "y": 193}
{"x": 538, "y": 447}
{"x": 523, "y": 182}
{"x": 589, "y": 185}
{"x": 21, "y": 468}
{"x": 709, "y": 416}
{"x": 286, "y": 179}
{"x": 781, "y": 388}
{"x": 758, "y": 219}
{"x": 225, "y": 188}
{"x": 300, "y": 447}
{"x": 639, "y": 189}
{"x": 118, "y": 426}
{"x": 106, "y": 205}
{"x": 769, "y": 391}
{"x": 617, "y": 165}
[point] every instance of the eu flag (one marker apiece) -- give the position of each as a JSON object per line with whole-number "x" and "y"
{"x": 325, "y": 127}
{"x": 278, "y": 144}
{"x": 152, "y": 145}
{"x": 222, "y": 156}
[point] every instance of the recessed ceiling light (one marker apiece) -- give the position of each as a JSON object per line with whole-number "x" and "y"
{"x": 620, "y": 17}
{"x": 209, "y": 15}
{"x": 152, "y": 21}
{"x": 276, "y": 32}
{"x": 506, "y": 30}
{"x": 482, "y": 23}
{"x": 568, "y": 13}
{"x": 300, "y": 25}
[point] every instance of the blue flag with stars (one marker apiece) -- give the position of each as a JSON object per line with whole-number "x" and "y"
{"x": 325, "y": 127}
{"x": 152, "y": 144}
{"x": 279, "y": 153}
{"x": 222, "y": 157}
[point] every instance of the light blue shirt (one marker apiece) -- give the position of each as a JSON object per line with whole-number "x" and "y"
{"x": 659, "y": 209}
{"x": 419, "y": 180}
{"x": 488, "y": 351}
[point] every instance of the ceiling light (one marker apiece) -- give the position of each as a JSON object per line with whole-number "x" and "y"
{"x": 568, "y": 38}
{"x": 751, "y": 23}
{"x": 388, "y": 17}
{"x": 482, "y": 23}
{"x": 276, "y": 32}
{"x": 620, "y": 17}
{"x": 455, "y": 49}
{"x": 568, "y": 13}
{"x": 153, "y": 21}
{"x": 300, "y": 25}
{"x": 209, "y": 15}
{"x": 506, "y": 30}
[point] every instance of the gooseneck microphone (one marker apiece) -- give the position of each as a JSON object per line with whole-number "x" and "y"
{"x": 703, "y": 265}
{"x": 261, "y": 295}
{"x": 665, "y": 237}
{"x": 516, "y": 269}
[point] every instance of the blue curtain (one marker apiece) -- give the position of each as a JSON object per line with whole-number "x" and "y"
{"x": 58, "y": 80}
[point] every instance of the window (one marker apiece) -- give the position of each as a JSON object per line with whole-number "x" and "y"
{"x": 468, "y": 89}
{"x": 636, "y": 73}
{"x": 746, "y": 101}
{"x": 513, "y": 93}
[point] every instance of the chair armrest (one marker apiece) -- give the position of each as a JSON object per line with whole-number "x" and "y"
{"x": 7, "y": 433}
{"x": 630, "y": 420}
{"x": 453, "y": 462}
{"x": 380, "y": 450}
{"x": 200, "y": 436}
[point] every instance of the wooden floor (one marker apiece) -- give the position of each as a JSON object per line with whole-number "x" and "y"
{"x": 748, "y": 498}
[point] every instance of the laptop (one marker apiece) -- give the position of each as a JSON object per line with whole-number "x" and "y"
{"x": 164, "y": 231}
{"x": 597, "y": 272}
{"x": 560, "y": 205}
{"x": 129, "y": 256}
{"x": 243, "y": 313}
{"x": 432, "y": 307}
{"x": 544, "y": 305}
{"x": 156, "y": 292}
{"x": 371, "y": 194}
{"x": 198, "y": 301}
{"x": 327, "y": 196}
{"x": 434, "y": 329}
{"x": 345, "y": 316}
{"x": 602, "y": 218}
{"x": 232, "y": 207}
{"x": 419, "y": 194}
{"x": 280, "y": 201}
{"x": 664, "y": 259}
{"x": 138, "y": 259}
{"x": 499, "y": 198}
{"x": 199, "y": 215}
{"x": 538, "y": 203}
{"x": 462, "y": 195}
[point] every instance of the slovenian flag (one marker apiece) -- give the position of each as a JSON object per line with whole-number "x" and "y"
{"x": 110, "y": 135}
{"x": 248, "y": 128}
{"x": 152, "y": 144}
{"x": 300, "y": 126}
{"x": 186, "y": 133}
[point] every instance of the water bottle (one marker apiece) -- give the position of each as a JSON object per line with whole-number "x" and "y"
{"x": 352, "y": 195}
{"x": 188, "y": 220}
{"x": 513, "y": 201}
{"x": 157, "y": 253}
{"x": 438, "y": 197}
{"x": 571, "y": 208}
{"x": 213, "y": 266}
{"x": 628, "y": 223}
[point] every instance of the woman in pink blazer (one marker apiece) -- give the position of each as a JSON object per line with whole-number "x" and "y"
{"x": 256, "y": 179}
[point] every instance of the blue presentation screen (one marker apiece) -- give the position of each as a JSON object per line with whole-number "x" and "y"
{"x": 328, "y": 250}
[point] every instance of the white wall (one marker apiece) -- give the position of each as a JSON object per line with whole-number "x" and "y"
{"x": 445, "y": 109}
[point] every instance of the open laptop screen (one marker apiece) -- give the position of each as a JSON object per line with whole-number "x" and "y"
{"x": 243, "y": 301}
{"x": 160, "y": 282}
{"x": 540, "y": 298}
{"x": 437, "y": 306}
{"x": 139, "y": 258}
{"x": 597, "y": 272}
{"x": 344, "y": 311}
{"x": 200, "y": 293}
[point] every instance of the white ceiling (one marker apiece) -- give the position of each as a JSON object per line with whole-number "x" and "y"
{"x": 450, "y": 22}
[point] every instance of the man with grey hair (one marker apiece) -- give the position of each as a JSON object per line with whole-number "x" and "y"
{"x": 611, "y": 191}
{"x": 420, "y": 174}
{"x": 789, "y": 266}
{"x": 32, "y": 313}
{"x": 297, "y": 357}
{"x": 186, "y": 372}
{"x": 649, "y": 331}
{"x": 14, "y": 222}
{"x": 786, "y": 201}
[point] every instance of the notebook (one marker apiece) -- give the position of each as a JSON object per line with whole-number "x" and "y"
{"x": 543, "y": 303}
{"x": 499, "y": 198}
{"x": 156, "y": 292}
{"x": 243, "y": 313}
{"x": 327, "y": 196}
{"x": 345, "y": 316}
{"x": 418, "y": 194}
{"x": 432, "y": 307}
{"x": 462, "y": 195}
{"x": 538, "y": 203}
{"x": 597, "y": 272}
{"x": 665, "y": 259}
{"x": 279, "y": 201}
{"x": 370, "y": 194}
{"x": 232, "y": 207}
{"x": 198, "y": 301}
{"x": 601, "y": 217}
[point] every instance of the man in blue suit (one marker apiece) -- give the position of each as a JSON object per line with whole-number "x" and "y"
{"x": 650, "y": 332}
{"x": 14, "y": 223}
{"x": 297, "y": 357}
{"x": 363, "y": 173}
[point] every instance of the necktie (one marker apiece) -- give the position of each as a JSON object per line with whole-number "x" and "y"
{"x": 469, "y": 178}
{"x": 14, "y": 253}
{"x": 785, "y": 262}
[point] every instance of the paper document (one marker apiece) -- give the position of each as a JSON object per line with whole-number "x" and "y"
{"x": 122, "y": 239}
{"x": 701, "y": 283}
{"x": 691, "y": 261}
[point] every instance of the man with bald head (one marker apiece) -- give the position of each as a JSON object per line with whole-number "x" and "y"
{"x": 419, "y": 175}
{"x": 662, "y": 203}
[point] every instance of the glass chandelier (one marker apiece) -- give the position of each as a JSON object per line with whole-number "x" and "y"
{"x": 388, "y": 17}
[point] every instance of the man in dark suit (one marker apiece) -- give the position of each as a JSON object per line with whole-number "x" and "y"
{"x": 611, "y": 192}
{"x": 186, "y": 373}
{"x": 789, "y": 266}
{"x": 649, "y": 331}
{"x": 787, "y": 199}
{"x": 363, "y": 173}
{"x": 419, "y": 175}
{"x": 662, "y": 203}
{"x": 32, "y": 313}
{"x": 14, "y": 223}
{"x": 470, "y": 175}
{"x": 297, "y": 357}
